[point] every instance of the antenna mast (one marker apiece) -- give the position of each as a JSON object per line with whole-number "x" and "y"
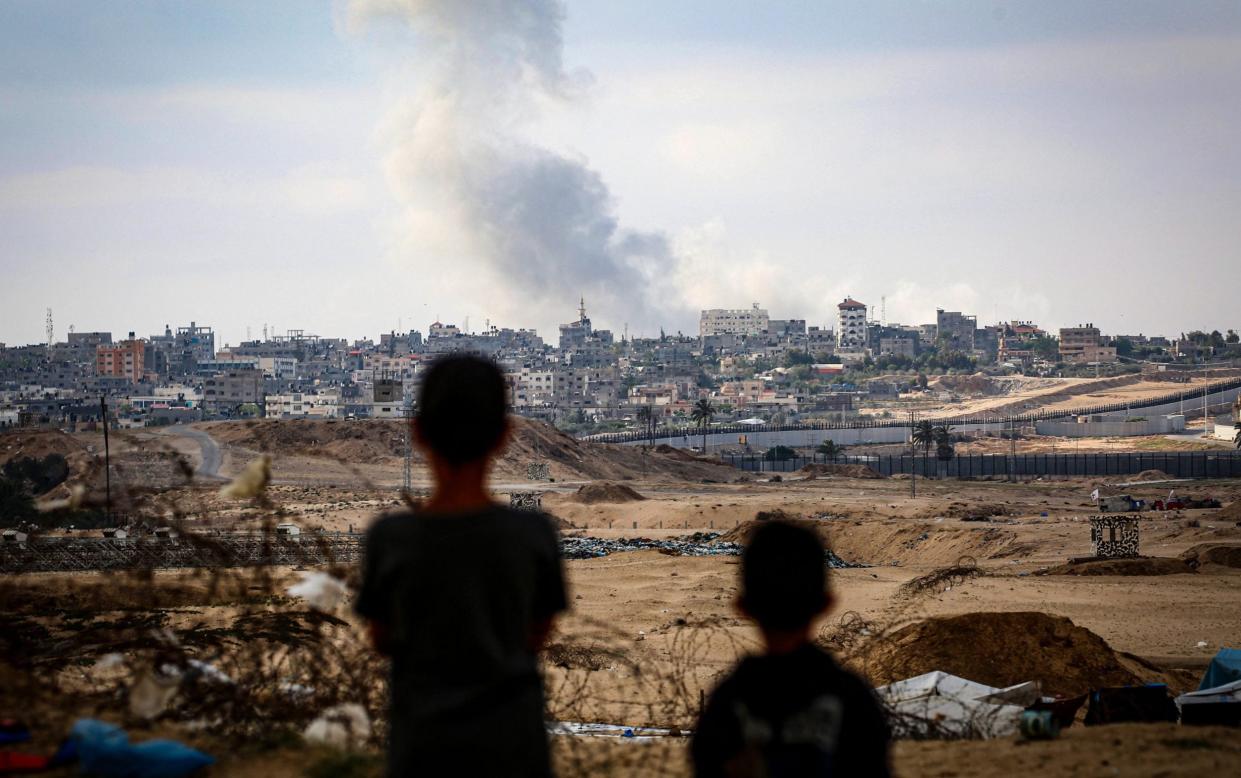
{"x": 50, "y": 331}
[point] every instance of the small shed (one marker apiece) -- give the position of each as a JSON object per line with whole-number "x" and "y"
{"x": 118, "y": 533}
{"x": 525, "y": 501}
{"x": 14, "y": 536}
{"x": 1114, "y": 537}
{"x": 287, "y": 530}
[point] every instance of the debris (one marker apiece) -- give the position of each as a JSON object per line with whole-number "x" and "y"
{"x": 941, "y": 705}
{"x": 321, "y": 591}
{"x": 341, "y": 726}
{"x": 698, "y": 544}
{"x": 106, "y": 752}
{"x": 108, "y": 662}
{"x": 152, "y": 693}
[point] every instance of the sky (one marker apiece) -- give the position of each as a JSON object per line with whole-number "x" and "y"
{"x": 350, "y": 168}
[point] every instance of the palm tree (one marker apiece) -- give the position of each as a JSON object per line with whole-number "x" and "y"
{"x": 830, "y": 450}
{"x": 924, "y": 435}
{"x": 702, "y": 414}
{"x": 647, "y": 417}
{"x": 1237, "y": 438}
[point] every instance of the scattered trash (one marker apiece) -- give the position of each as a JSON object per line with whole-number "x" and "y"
{"x": 341, "y": 726}
{"x": 152, "y": 693}
{"x": 105, "y": 752}
{"x": 583, "y": 729}
{"x": 697, "y": 544}
{"x": 12, "y": 731}
{"x": 321, "y": 591}
{"x": 941, "y": 705}
{"x": 109, "y": 662}
{"x": 1202, "y": 644}
{"x": 1039, "y": 725}
{"x": 209, "y": 671}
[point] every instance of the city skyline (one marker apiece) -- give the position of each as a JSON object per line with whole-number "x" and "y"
{"x": 240, "y": 165}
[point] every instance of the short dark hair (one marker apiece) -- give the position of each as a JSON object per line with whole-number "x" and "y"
{"x": 783, "y": 576}
{"x": 462, "y": 407}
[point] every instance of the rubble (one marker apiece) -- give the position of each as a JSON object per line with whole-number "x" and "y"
{"x": 697, "y": 544}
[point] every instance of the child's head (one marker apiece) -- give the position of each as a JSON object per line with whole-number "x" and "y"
{"x": 783, "y": 577}
{"x": 462, "y": 409}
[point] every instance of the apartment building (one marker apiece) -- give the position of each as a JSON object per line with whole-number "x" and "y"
{"x": 121, "y": 360}
{"x": 851, "y": 325}
{"x": 734, "y": 321}
{"x": 1083, "y": 345}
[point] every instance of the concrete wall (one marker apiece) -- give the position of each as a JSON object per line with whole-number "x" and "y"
{"x": 1217, "y": 402}
{"x": 1159, "y": 425}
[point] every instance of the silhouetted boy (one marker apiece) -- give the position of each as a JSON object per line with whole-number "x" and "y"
{"x": 461, "y": 594}
{"x": 791, "y": 711}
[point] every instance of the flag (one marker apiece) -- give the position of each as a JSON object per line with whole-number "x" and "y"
{"x": 1095, "y": 495}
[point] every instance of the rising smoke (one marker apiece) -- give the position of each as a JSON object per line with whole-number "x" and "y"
{"x": 542, "y": 223}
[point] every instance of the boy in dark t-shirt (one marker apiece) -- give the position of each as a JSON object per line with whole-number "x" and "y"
{"x": 791, "y": 711}
{"x": 461, "y": 595}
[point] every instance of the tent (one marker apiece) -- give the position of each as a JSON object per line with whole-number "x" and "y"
{"x": 1224, "y": 668}
{"x": 938, "y": 704}
{"x": 1220, "y": 705}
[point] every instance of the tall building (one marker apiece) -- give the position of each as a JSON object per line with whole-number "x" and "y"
{"x": 194, "y": 344}
{"x": 734, "y": 321}
{"x": 955, "y": 329}
{"x": 575, "y": 333}
{"x": 1084, "y": 344}
{"x": 851, "y": 325}
{"x": 121, "y": 360}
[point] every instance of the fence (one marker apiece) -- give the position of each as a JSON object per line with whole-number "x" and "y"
{"x": 1189, "y": 398}
{"x": 60, "y": 554}
{"x": 1177, "y": 464}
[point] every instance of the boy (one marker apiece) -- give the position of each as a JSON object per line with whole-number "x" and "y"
{"x": 461, "y": 595}
{"x": 791, "y": 711}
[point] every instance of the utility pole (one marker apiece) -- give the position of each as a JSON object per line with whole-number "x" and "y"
{"x": 408, "y": 413}
{"x": 107, "y": 459}
{"x": 913, "y": 462}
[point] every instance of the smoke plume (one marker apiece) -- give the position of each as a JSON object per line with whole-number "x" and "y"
{"x": 542, "y": 224}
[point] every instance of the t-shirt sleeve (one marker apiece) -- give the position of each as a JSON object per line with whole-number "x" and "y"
{"x": 717, "y": 735}
{"x": 866, "y": 735}
{"x": 549, "y": 589}
{"x": 372, "y": 597}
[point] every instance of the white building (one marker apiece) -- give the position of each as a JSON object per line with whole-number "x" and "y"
{"x": 733, "y": 321}
{"x": 851, "y": 325}
{"x": 294, "y": 405}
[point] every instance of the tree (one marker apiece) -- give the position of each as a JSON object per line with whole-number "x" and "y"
{"x": 924, "y": 435}
{"x": 943, "y": 442}
{"x": 647, "y": 418}
{"x": 1233, "y": 337}
{"x": 702, "y": 414}
{"x": 794, "y": 357}
{"x": 829, "y": 449}
{"x": 779, "y": 454}
{"x": 1237, "y": 438}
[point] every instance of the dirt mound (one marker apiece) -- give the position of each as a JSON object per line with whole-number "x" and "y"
{"x": 364, "y": 441}
{"x": 1230, "y": 512}
{"x": 814, "y": 470}
{"x": 741, "y": 533}
{"x": 998, "y": 649}
{"x": 1152, "y": 475}
{"x": 1213, "y": 554}
{"x": 968, "y": 384}
{"x": 606, "y": 491}
{"x": 1147, "y": 565}
{"x": 375, "y": 441}
{"x": 962, "y": 510}
{"x": 37, "y": 444}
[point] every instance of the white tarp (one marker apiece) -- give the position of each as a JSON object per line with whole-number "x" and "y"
{"x": 1229, "y": 692}
{"x": 938, "y": 704}
{"x": 752, "y": 422}
{"x": 590, "y": 729}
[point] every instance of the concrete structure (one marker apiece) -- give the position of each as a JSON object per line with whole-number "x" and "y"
{"x": 1114, "y": 537}
{"x": 1102, "y": 426}
{"x": 122, "y": 360}
{"x": 955, "y": 330}
{"x": 850, "y": 325}
{"x": 300, "y": 405}
{"x": 225, "y": 393}
{"x": 1082, "y": 345}
{"x": 734, "y": 321}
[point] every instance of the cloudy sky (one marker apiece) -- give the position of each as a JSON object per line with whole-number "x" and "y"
{"x": 348, "y": 168}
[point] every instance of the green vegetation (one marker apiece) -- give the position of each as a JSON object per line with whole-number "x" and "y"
{"x": 779, "y": 454}
{"x": 702, "y": 415}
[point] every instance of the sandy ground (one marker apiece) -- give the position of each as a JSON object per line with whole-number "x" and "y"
{"x": 648, "y": 632}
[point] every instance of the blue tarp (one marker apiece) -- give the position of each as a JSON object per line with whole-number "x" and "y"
{"x": 1224, "y": 669}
